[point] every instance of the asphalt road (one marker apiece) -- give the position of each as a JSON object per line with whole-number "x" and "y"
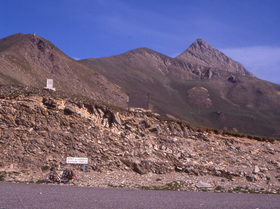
{"x": 19, "y": 195}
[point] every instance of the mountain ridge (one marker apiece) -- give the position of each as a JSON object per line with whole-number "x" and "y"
{"x": 217, "y": 96}
{"x": 40, "y": 128}
{"x": 209, "y": 95}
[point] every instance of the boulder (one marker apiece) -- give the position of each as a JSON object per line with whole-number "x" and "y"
{"x": 203, "y": 185}
{"x": 256, "y": 170}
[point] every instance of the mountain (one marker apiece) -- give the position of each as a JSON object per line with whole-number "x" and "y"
{"x": 201, "y": 53}
{"x": 29, "y": 60}
{"x": 201, "y": 86}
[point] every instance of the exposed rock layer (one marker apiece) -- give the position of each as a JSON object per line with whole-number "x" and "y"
{"x": 40, "y": 130}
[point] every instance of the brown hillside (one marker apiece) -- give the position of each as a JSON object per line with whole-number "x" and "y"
{"x": 205, "y": 87}
{"x": 39, "y": 129}
{"x": 201, "y": 86}
{"x": 29, "y": 60}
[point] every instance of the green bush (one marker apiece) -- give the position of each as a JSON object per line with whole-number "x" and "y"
{"x": 45, "y": 168}
{"x": 40, "y": 182}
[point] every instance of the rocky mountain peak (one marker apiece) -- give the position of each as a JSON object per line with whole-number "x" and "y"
{"x": 201, "y": 53}
{"x": 200, "y": 43}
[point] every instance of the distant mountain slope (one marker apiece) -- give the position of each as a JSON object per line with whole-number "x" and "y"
{"x": 204, "y": 87}
{"x": 29, "y": 60}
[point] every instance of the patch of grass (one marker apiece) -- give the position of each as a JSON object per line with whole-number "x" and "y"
{"x": 40, "y": 182}
{"x": 220, "y": 189}
{"x": 174, "y": 186}
{"x": 250, "y": 179}
{"x": 230, "y": 178}
{"x": 253, "y": 191}
{"x": 2, "y": 177}
{"x": 45, "y": 168}
{"x": 238, "y": 189}
{"x": 247, "y": 190}
{"x": 111, "y": 185}
{"x": 145, "y": 187}
{"x": 119, "y": 186}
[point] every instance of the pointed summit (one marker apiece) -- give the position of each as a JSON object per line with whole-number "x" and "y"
{"x": 201, "y": 53}
{"x": 199, "y": 43}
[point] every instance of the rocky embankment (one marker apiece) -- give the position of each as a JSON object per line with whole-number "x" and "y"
{"x": 126, "y": 149}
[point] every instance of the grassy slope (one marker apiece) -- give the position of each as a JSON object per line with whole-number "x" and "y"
{"x": 235, "y": 106}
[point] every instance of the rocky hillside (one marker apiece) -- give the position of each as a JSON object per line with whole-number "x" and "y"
{"x": 39, "y": 129}
{"x": 30, "y": 59}
{"x": 201, "y": 86}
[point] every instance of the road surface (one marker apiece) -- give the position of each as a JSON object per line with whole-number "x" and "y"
{"x": 20, "y": 195}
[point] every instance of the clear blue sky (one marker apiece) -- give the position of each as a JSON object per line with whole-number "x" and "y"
{"x": 248, "y": 31}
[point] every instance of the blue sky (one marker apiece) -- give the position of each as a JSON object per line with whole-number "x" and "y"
{"x": 248, "y": 31}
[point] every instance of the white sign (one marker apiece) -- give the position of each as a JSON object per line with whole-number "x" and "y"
{"x": 76, "y": 160}
{"x": 49, "y": 83}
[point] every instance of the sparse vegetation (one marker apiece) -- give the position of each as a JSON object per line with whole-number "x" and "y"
{"x": 174, "y": 186}
{"x": 219, "y": 189}
{"x": 250, "y": 179}
{"x": 45, "y": 168}
{"x": 40, "y": 181}
{"x": 2, "y": 177}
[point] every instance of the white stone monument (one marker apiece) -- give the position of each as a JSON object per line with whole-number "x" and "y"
{"x": 50, "y": 84}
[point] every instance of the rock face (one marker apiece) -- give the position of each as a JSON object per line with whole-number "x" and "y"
{"x": 126, "y": 149}
{"x": 201, "y": 53}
